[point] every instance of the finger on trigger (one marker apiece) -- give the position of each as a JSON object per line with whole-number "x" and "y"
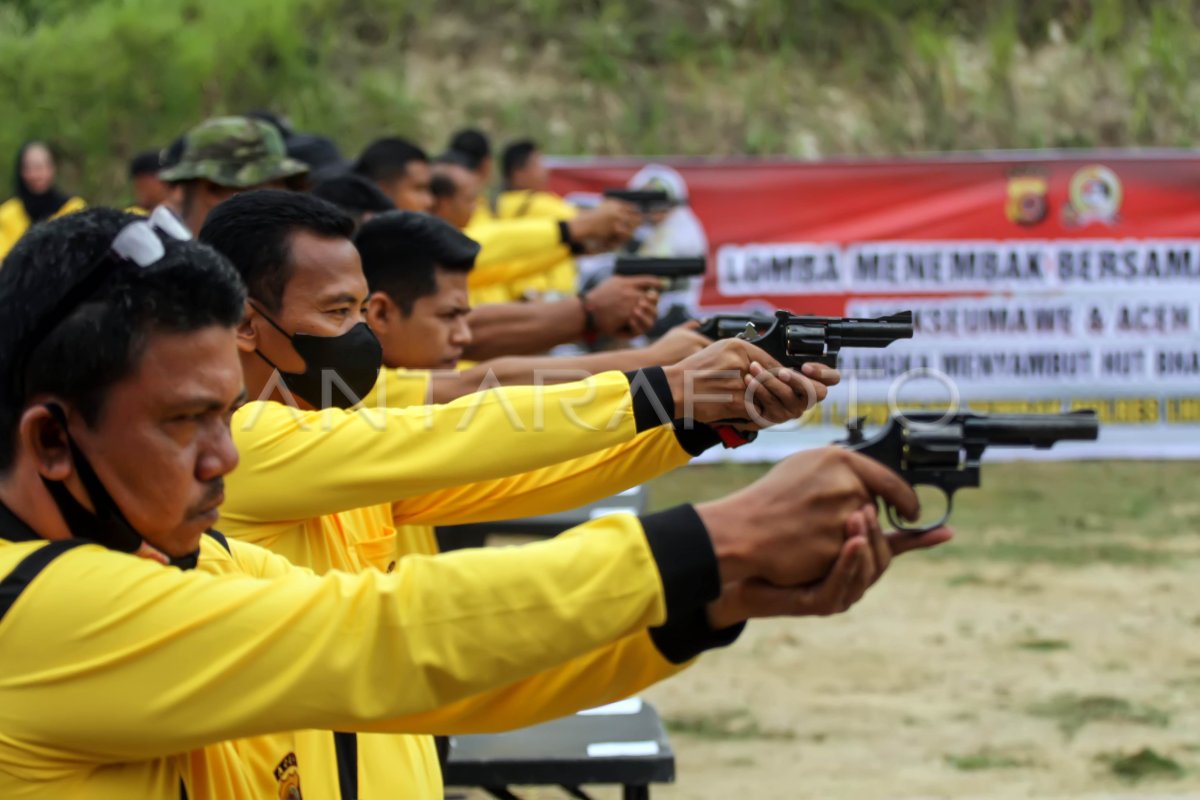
{"x": 879, "y": 545}
{"x": 884, "y": 482}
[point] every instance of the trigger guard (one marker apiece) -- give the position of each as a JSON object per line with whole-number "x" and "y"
{"x": 900, "y": 526}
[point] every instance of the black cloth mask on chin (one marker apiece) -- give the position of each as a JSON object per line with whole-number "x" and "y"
{"x": 352, "y": 362}
{"x": 106, "y": 525}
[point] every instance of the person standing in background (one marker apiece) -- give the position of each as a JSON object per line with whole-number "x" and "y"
{"x": 37, "y": 197}
{"x": 149, "y": 192}
{"x": 474, "y": 150}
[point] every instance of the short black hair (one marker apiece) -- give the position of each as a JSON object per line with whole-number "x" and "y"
{"x": 456, "y": 158}
{"x": 254, "y": 231}
{"x": 472, "y": 143}
{"x": 273, "y": 119}
{"x": 442, "y": 185}
{"x": 516, "y": 155}
{"x": 402, "y": 250}
{"x": 144, "y": 163}
{"x": 172, "y": 154}
{"x": 101, "y": 340}
{"x": 387, "y": 159}
{"x": 353, "y": 194}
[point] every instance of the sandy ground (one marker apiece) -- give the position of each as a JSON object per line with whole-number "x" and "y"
{"x": 954, "y": 684}
{"x": 972, "y": 675}
{"x": 951, "y": 681}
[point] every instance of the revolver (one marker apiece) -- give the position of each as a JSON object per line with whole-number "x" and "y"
{"x": 944, "y": 449}
{"x": 795, "y": 340}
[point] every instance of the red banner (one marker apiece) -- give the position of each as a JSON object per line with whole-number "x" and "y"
{"x": 994, "y": 198}
{"x": 1037, "y": 281}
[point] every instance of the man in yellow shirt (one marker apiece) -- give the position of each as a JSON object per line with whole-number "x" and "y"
{"x": 126, "y": 675}
{"x": 513, "y": 250}
{"x": 417, "y": 267}
{"x": 475, "y": 149}
{"x": 526, "y": 191}
{"x": 519, "y": 258}
{"x": 357, "y": 490}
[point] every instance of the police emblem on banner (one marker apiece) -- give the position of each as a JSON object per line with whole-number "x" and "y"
{"x": 288, "y": 775}
{"x": 1027, "y": 203}
{"x": 1095, "y": 195}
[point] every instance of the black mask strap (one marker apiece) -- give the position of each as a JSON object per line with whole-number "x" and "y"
{"x": 274, "y": 324}
{"x": 107, "y": 525}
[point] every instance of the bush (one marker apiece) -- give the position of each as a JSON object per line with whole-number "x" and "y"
{"x": 103, "y": 79}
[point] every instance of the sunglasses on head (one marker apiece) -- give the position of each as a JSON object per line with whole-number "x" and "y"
{"x": 137, "y": 243}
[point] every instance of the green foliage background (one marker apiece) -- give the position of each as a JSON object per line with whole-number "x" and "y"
{"x": 105, "y": 78}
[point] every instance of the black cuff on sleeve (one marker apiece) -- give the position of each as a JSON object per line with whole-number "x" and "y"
{"x": 687, "y": 636}
{"x": 695, "y": 437}
{"x": 653, "y": 402}
{"x": 564, "y": 233}
{"x": 683, "y": 552}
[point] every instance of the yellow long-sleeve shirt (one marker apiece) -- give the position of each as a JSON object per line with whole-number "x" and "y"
{"x": 122, "y": 678}
{"x": 380, "y": 535}
{"x": 558, "y": 278}
{"x": 14, "y": 220}
{"x": 512, "y": 253}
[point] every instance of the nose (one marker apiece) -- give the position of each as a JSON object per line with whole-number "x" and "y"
{"x": 218, "y": 456}
{"x": 461, "y": 337}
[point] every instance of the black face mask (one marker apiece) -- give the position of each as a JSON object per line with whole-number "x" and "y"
{"x": 106, "y": 525}
{"x": 351, "y": 361}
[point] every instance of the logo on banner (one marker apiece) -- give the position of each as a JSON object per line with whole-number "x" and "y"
{"x": 1027, "y": 203}
{"x": 1094, "y": 196}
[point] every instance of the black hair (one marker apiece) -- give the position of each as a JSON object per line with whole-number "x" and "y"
{"x": 144, "y": 163}
{"x": 319, "y": 152}
{"x": 353, "y": 194}
{"x": 442, "y": 185}
{"x": 100, "y": 341}
{"x": 254, "y": 231}
{"x": 401, "y": 252}
{"x": 472, "y": 143}
{"x": 276, "y": 121}
{"x": 387, "y": 159}
{"x": 516, "y": 156}
{"x": 173, "y": 153}
{"x": 456, "y": 158}
{"x": 41, "y": 205}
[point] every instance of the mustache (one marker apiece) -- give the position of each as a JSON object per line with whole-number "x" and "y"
{"x": 212, "y": 493}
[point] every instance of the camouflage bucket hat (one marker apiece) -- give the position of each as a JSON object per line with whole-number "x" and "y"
{"x": 238, "y": 152}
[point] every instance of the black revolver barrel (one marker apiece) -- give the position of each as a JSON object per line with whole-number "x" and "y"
{"x": 878, "y": 332}
{"x": 1032, "y": 430}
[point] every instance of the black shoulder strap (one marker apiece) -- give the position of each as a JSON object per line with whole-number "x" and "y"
{"x": 346, "y": 747}
{"x": 523, "y": 209}
{"x": 30, "y": 567}
{"x": 221, "y": 540}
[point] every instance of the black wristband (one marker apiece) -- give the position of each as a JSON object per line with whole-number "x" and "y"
{"x": 695, "y": 437}
{"x": 688, "y": 635}
{"x": 653, "y": 401}
{"x": 687, "y": 563}
{"x": 564, "y": 233}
